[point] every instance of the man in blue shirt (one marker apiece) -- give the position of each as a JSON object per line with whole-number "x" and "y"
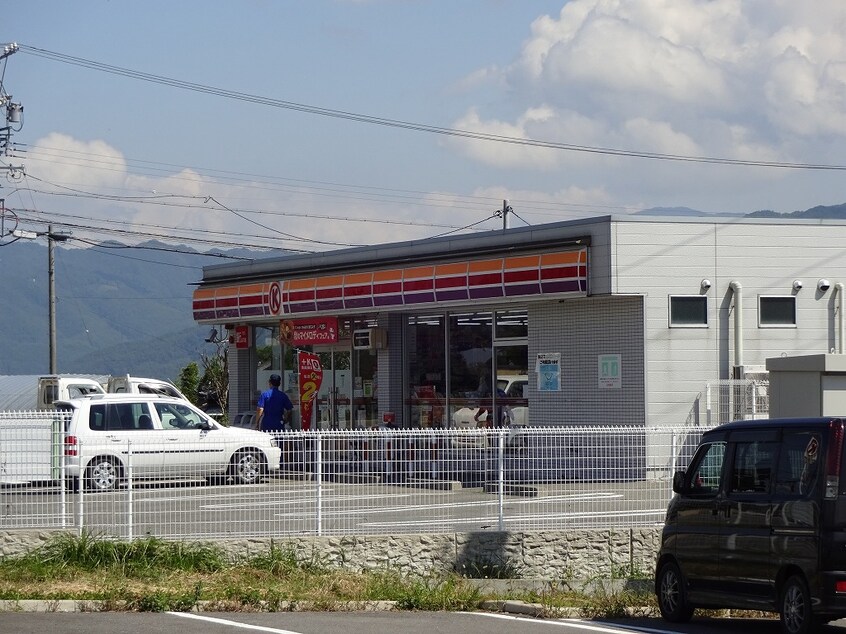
{"x": 274, "y": 407}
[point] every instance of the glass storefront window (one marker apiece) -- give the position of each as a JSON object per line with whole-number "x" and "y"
{"x": 512, "y": 382}
{"x": 470, "y": 361}
{"x": 512, "y": 324}
{"x": 269, "y": 353}
{"x": 365, "y": 387}
{"x": 426, "y": 371}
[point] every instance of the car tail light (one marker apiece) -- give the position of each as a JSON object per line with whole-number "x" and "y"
{"x": 70, "y": 445}
{"x": 835, "y": 453}
{"x": 840, "y": 586}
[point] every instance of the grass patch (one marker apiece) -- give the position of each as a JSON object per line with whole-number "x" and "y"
{"x": 154, "y": 575}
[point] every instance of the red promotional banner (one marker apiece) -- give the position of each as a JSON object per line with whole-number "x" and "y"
{"x": 311, "y": 376}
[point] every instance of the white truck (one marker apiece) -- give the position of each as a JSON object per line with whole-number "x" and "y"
{"x": 61, "y": 388}
{"x": 127, "y": 384}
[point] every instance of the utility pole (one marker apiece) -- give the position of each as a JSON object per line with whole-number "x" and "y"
{"x": 506, "y": 209}
{"x": 12, "y": 115}
{"x": 52, "y": 238}
{"x": 51, "y": 297}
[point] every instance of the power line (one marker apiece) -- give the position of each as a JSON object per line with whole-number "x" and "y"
{"x": 408, "y": 125}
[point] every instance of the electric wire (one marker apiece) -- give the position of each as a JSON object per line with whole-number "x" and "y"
{"x": 408, "y": 125}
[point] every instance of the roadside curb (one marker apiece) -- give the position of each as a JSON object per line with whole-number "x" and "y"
{"x": 73, "y": 605}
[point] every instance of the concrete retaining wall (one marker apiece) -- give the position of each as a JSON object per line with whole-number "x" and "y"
{"x": 556, "y": 556}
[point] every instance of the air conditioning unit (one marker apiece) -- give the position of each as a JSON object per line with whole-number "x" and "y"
{"x": 370, "y": 339}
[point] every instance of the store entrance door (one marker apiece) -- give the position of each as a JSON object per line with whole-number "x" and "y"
{"x": 334, "y": 399}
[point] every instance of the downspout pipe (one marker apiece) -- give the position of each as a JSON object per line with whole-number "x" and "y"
{"x": 838, "y": 289}
{"x": 737, "y": 290}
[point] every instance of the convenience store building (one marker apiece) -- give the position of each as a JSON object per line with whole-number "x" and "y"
{"x": 603, "y": 321}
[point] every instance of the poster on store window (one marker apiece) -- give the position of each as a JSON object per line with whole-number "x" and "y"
{"x": 311, "y": 376}
{"x": 548, "y": 368}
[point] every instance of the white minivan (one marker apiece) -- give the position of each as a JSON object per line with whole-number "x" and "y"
{"x": 109, "y": 437}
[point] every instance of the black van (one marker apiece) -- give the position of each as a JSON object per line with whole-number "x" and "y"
{"x": 758, "y": 522}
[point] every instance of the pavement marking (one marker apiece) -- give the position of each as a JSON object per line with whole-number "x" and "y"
{"x": 236, "y": 624}
{"x": 575, "y": 623}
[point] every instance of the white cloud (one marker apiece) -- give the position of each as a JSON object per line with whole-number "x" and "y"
{"x": 678, "y": 77}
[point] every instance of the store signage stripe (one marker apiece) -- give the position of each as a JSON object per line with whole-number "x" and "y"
{"x": 564, "y": 272}
{"x": 517, "y": 290}
{"x": 487, "y": 278}
{"x": 387, "y": 287}
{"x": 560, "y": 273}
{"x": 451, "y": 282}
{"x": 486, "y": 292}
{"x": 562, "y": 287}
{"x": 524, "y": 262}
{"x": 226, "y": 302}
{"x": 417, "y": 285}
{"x": 387, "y": 300}
{"x": 458, "y": 268}
{"x": 521, "y": 276}
{"x": 325, "y": 293}
{"x": 358, "y": 302}
{"x": 452, "y": 295}
{"x": 358, "y": 291}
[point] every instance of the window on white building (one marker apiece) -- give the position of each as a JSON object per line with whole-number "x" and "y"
{"x": 776, "y": 311}
{"x": 688, "y": 311}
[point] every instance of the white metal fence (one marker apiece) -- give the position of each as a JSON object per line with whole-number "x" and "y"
{"x": 351, "y": 482}
{"x": 736, "y": 399}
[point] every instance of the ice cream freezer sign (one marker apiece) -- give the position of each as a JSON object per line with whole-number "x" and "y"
{"x": 609, "y": 369}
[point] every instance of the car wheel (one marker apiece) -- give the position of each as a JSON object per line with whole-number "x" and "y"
{"x": 795, "y": 607}
{"x": 672, "y": 594}
{"x": 102, "y": 474}
{"x": 247, "y": 467}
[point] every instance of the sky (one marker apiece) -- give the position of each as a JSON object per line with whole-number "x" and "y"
{"x": 315, "y": 125}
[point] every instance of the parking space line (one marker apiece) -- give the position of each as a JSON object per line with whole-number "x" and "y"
{"x": 576, "y": 624}
{"x": 235, "y": 624}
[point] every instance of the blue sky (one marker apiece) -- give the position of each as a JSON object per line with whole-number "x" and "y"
{"x": 758, "y": 80}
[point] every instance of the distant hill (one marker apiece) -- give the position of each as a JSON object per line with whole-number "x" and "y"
{"x": 835, "y": 212}
{"x": 118, "y": 310}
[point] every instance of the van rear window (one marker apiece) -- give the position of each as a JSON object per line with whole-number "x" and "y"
{"x": 798, "y": 464}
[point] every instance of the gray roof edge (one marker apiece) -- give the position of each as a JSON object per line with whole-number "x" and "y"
{"x": 395, "y": 253}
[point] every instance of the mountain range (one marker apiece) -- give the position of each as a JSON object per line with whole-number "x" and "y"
{"x": 119, "y": 310}
{"x": 123, "y": 310}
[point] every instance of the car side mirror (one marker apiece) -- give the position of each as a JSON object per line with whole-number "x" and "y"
{"x": 206, "y": 425}
{"x": 678, "y": 482}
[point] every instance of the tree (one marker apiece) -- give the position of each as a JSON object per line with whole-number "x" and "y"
{"x": 215, "y": 379}
{"x": 189, "y": 382}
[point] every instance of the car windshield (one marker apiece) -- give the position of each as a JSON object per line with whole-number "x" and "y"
{"x": 178, "y": 416}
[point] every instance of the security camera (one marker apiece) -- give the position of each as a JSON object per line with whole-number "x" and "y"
{"x": 823, "y": 285}
{"x": 705, "y": 285}
{"x": 797, "y": 284}
{"x": 212, "y": 336}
